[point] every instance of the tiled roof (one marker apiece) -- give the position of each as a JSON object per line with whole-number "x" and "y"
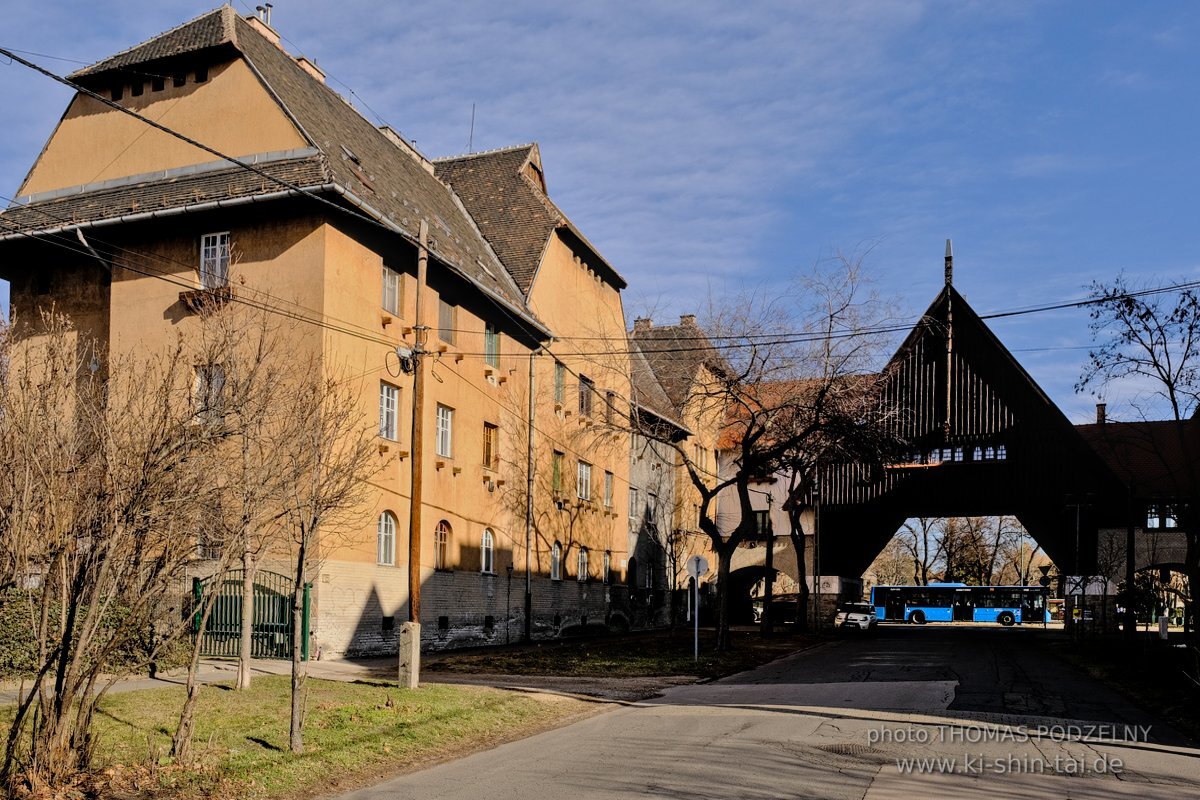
{"x": 353, "y": 154}
{"x": 648, "y": 393}
{"x": 210, "y": 29}
{"x": 512, "y": 213}
{"x": 1158, "y": 459}
{"x": 158, "y": 195}
{"x": 675, "y": 353}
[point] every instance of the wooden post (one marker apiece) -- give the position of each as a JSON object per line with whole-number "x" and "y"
{"x": 410, "y": 633}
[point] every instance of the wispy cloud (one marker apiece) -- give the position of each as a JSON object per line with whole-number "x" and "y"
{"x": 706, "y": 145}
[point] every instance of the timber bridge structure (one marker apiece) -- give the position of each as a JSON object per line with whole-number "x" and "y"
{"x": 986, "y": 440}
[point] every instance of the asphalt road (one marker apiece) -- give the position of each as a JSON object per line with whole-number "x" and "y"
{"x": 928, "y": 712}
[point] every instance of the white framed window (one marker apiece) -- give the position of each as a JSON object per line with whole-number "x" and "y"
{"x": 447, "y": 321}
{"x": 487, "y": 552}
{"x": 391, "y": 291}
{"x": 441, "y": 545}
{"x": 491, "y": 345}
{"x": 208, "y": 394}
{"x": 606, "y": 575}
{"x": 581, "y": 565}
{"x": 445, "y": 431}
{"x": 556, "y": 562}
{"x": 214, "y": 260}
{"x": 386, "y": 539}
{"x": 608, "y": 489}
{"x": 583, "y": 483}
{"x": 389, "y": 405}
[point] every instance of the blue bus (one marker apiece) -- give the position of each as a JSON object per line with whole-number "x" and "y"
{"x": 957, "y": 602}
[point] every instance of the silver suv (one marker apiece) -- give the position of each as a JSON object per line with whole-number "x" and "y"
{"x": 856, "y": 615}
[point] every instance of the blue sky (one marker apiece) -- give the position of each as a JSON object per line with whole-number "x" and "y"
{"x": 706, "y": 145}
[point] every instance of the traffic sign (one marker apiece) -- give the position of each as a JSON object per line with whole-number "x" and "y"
{"x": 697, "y": 566}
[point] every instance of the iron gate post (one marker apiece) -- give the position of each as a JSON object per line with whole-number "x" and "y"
{"x": 304, "y": 617}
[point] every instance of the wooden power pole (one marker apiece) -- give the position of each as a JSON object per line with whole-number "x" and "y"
{"x": 410, "y": 633}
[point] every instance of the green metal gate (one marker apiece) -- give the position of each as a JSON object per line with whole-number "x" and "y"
{"x": 271, "y": 636}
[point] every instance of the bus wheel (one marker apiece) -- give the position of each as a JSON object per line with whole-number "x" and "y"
{"x": 1006, "y": 619}
{"x": 917, "y": 617}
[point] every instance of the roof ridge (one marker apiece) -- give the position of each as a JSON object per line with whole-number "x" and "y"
{"x": 221, "y": 9}
{"x": 494, "y": 151}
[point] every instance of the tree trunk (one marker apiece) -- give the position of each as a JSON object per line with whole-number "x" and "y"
{"x": 181, "y": 742}
{"x": 246, "y": 639}
{"x": 724, "y": 562}
{"x": 800, "y": 546}
{"x": 296, "y": 729}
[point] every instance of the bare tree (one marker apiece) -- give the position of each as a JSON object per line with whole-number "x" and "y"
{"x": 1152, "y": 341}
{"x": 327, "y": 453}
{"x": 921, "y": 540}
{"x": 239, "y": 352}
{"x": 105, "y": 471}
{"x": 892, "y": 566}
{"x": 786, "y": 402}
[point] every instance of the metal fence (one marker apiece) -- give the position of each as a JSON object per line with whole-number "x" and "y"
{"x": 272, "y": 631}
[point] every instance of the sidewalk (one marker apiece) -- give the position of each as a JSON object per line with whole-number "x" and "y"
{"x": 216, "y": 670}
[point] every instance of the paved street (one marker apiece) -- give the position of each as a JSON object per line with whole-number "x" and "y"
{"x": 839, "y": 721}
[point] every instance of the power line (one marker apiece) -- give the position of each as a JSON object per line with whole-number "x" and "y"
{"x": 199, "y": 145}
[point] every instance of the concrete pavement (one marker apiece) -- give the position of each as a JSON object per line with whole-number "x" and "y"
{"x": 912, "y": 713}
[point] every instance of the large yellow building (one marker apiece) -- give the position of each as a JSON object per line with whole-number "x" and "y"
{"x": 128, "y": 228}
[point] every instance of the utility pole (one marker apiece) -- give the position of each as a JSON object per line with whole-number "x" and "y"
{"x": 528, "y": 631}
{"x": 769, "y": 592}
{"x": 410, "y": 632}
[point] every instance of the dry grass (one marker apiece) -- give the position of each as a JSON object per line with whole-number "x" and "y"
{"x": 639, "y": 656}
{"x": 355, "y": 734}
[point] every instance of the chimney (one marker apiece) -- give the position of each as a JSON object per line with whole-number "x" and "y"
{"x": 949, "y": 263}
{"x": 311, "y": 68}
{"x": 1101, "y": 413}
{"x": 642, "y": 325}
{"x": 263, "y": 27}
{"x": 687, "y": 320}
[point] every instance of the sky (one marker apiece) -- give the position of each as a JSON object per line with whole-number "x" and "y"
{"x": 710, "y": 147}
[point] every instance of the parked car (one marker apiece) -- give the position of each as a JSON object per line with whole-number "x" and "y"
{"x": 856, "y": 615}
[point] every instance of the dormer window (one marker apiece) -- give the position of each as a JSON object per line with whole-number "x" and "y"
{"x": 214, "y": 260}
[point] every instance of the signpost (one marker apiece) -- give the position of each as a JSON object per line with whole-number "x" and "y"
{"x": 696, "y": 566}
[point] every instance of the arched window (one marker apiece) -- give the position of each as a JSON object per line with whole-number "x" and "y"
{"x": 487, "y": 552}
{"x": 556, "y": 562}
{"x": 386, "y": 539}
{"x": 606, "y": 576}
{"x": 441, "y": 545}
{"x": 581, "y": 572}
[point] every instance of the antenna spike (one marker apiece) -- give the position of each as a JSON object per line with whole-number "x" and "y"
{"x": 949, "y": 263}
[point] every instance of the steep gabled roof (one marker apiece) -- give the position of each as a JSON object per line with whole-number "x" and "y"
{"x": 511, "y": 212}
{"x": 211, "y": 29}
{"x": 676, "y": 354}
{"x": 648, "y": 394}
{"x": 381, "y": 178}
{"x": 513, "y": 209}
